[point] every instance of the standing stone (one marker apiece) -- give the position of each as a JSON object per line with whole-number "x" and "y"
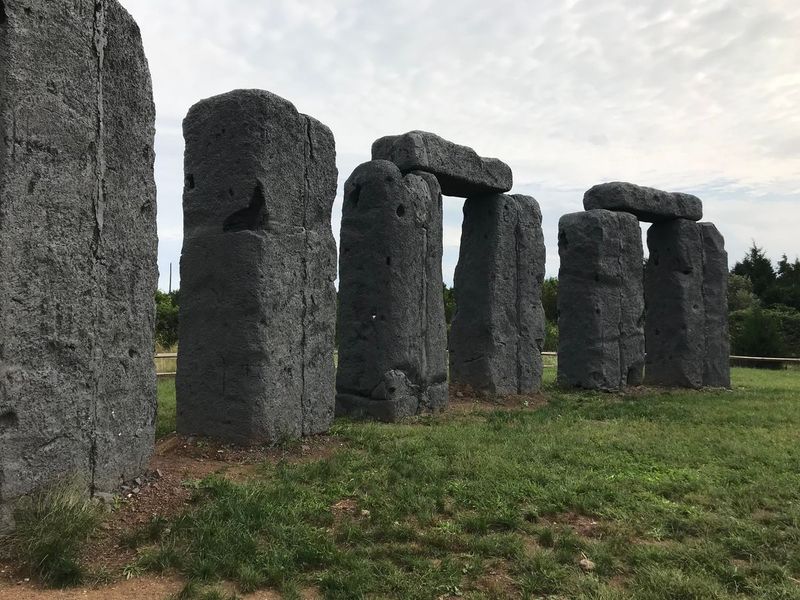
{"x": 646, "y": 203}
{"x": 717, "y": 364}
{"x": 257, "y": 315}
{"x": 600, "y": 300}
{"x": 392, "y": 334}
{"x": 77, "y": 247}
{"x": 459, "y": 169}
{"x": 497, "y": 334}
{"x": 686, "y": 294}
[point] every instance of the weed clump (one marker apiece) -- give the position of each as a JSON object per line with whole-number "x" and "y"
{"x": 51, "y": 528}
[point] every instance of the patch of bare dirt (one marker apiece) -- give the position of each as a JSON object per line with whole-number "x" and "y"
{"x": 465, "y": 400}
{"x": 582, "y": 525}
{"x": 163, "y": 493}
{"x": 496, "y": 582}
{"x": 145, "y": 588}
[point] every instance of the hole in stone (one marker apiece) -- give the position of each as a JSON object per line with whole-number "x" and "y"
{"x": 190, "y": 181}
{"x": 3, "y": 18}
{"x": 392, "y": 390}
{"x": 388, "y": 261}
{"x": 230, "y": 192}
{"x": 8, "y": 419}
{"x": 133, "y": 353}
{"x": 401, "y": 211}
{"x": 687, "y": 272}
{"x": 253, "y": 217}
{"x": 597, "y": 310}
{"x": 354, "y": 197}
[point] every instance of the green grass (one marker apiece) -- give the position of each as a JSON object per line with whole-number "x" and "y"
{"x": 51, "y": 530}
{"x": 166, "y": 407}
{"x": 694, "y": 495}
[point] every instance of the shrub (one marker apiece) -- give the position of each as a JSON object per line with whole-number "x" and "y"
{"x": 766, "y": 332}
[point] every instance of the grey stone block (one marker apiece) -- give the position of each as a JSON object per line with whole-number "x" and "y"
{"x": 460, "y": 171}
{"x": 257, "y": 316}
{"x": 646, "y": 203}
{"x": 717, "y": 364}
{"x": 392, "y": 335}
{"x": 78, "y": 241}
{"x": 497, "y": 334}
{"x": 600, "y": 300}
{"x": 687, "y": 310}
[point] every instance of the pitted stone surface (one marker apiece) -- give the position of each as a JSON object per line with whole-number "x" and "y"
{"x": 600, "y": 300}
{"x": 77, "y": 247}
{"x": 497, "y": 334}
{"x": 646, "y": 203}
{"x": 717, "y": 364}
{"x": 257, "y": 316}
{"x": 392, "y": 335}
{"x": 459, "y": 169}
{"x": 686, "y": 293}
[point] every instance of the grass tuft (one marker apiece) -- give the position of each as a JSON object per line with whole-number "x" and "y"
{"x": 51, "y": 528}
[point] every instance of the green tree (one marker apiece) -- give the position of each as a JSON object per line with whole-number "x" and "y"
{"x": 167, "y": 318}
{"x": 740, "y": 293}
{"x": 758, "y": 268}
{"x": 449, "y": 303}
{"x": 550, "y": 299}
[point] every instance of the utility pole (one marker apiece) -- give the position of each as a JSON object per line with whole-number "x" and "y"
{"x": 170, "y": 278}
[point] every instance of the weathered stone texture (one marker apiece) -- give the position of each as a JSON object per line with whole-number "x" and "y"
{"x": 392, "y": 336}
{"x": 687, "y": 310}
{"x": 600, "y": 300}
{"x": 717, "y": 366}
{"x": 497, "y": 334}
{"x": 257, "y": 316}
{"x": 646, "y": 203}
{"x": 77, "y": 246}
{"x": 459, "y": 169}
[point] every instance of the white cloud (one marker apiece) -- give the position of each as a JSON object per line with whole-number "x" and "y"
{"x": 569, "y": 92}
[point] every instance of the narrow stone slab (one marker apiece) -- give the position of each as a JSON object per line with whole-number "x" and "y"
{"x": 78, "y": 241}
{"x": 497, "y": 334}
{"x": 392, "y": 335}
{"x": 717, "y": 364}
{"x": 600, "y": 300}
{"x": 257, "y": 316}
{"x": 686, "y": 294}
{"x": 459, "y": 169}
{"x": 646, "y": 203}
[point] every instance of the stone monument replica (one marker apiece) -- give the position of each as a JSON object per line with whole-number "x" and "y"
{"x": 77, "y": 247}
{"x": 258, "y": 304}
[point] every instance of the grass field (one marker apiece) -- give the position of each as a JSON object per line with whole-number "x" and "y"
{"x": 667, "y": 494}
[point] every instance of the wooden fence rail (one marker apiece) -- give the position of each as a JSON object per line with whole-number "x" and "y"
{"x": 740, "y": 361}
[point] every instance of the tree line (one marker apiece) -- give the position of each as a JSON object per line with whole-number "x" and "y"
{"x": 763, "y": 300}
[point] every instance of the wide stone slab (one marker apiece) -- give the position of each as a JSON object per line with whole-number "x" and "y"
{"x": 687, "y": 310}
{"x": 600, "y": 301}
{"x": 77, "y": 247}
{"x": 257, "y": 315}
{"x": 459, "y": 169}
{"x": 497, "y": 334}
{"x": 392, "y": 334}
{"x": 648, "y": 204}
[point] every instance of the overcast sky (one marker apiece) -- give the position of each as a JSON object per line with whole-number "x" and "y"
{"x": 702, "y": 97}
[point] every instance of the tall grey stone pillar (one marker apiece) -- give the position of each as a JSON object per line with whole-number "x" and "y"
{"x": 497, "y": 335}
{"x": 687, "y": 309}
{"x": 257, "y": 315}
{"x": 392, "y": 337}
{"x": 600, "y": 300}
{"x": 77, "y": 247}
